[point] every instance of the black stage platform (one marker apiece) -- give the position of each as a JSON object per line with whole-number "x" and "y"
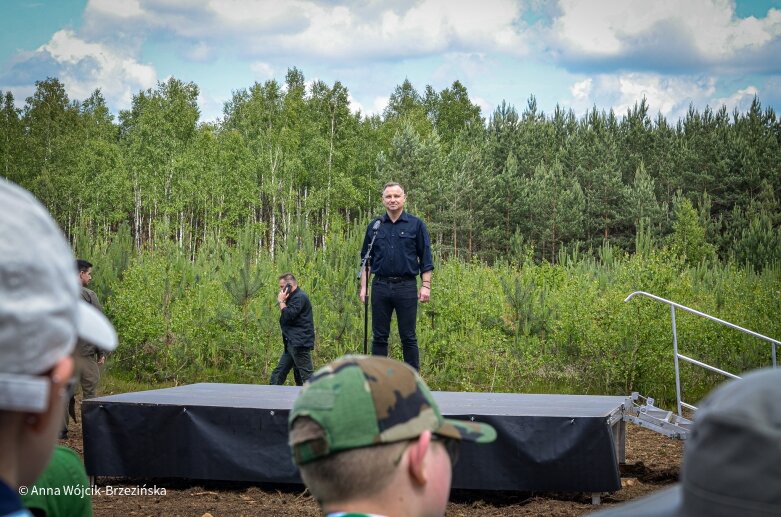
{"x": 238, "y": 432}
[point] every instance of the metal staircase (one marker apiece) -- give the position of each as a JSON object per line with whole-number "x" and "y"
{"x": 656, "y": 419}
{"x": 641, "y": 411}
{"x": 666, "y": 422}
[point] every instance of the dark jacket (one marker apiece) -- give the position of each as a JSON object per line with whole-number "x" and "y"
{"x": 298, "y": 327}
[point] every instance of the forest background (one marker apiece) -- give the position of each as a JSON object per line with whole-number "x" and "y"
{"x": 541, "y": 225}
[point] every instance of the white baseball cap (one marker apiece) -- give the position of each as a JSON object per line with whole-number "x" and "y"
{"x": 41, "y": 310}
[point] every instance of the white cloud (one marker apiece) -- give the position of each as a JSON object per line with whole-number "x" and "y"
{"x": 665, "y": 94}
{"x": 342, "y": 32}
{"x": 486, "y": 108}
{"x": 671, "y": 96}
{"x": 210, "y": 106}
{"x": 262, "y": 70}
{"x": 614, "y": 52}
{"x": 116, "y": 8}
{"x": 606, "y": 34}
{"x": 83, "y": 66}
{"x": 355, "y": 106}
{"x": 377, "y": 107}
{"x": 258, "y": 15}
{"x": 20, "y": 93}
{"x": 581, "y": 89}
{"x": 66, "y": 48}
{"x": 379, "y": 104}
{"x": 704, "y": 32}
{"x": 266, "y": 28}
{"x": 741, "y": 99}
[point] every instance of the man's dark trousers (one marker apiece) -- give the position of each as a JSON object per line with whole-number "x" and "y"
{"x": 296, "y": 358}
{"x": 401, "y": 296}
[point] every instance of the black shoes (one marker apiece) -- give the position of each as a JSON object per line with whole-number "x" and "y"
{"x": 72, "y": 409}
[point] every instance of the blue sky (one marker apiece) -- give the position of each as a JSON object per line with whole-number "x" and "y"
{"x": 575, "y": 53}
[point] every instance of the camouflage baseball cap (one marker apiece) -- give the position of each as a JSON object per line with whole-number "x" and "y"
{"x": 361, "y": 401}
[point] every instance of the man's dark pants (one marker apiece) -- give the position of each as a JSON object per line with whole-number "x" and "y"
{"x": 401, "y": 296}
{"x": 296, "y": 358}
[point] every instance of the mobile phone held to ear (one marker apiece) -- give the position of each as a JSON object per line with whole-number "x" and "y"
{"x": 288, "y": 288}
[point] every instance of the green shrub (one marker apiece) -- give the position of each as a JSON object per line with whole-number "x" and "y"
{"x": 503, "y": 328}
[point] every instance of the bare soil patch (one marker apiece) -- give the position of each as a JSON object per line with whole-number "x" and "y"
{"x": 652, "y": 462}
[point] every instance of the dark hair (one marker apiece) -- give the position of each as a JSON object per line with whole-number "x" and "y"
{"x": 287, "y": 276}
{"x": 392, "y": 184}
{"x": 82, "y": 265}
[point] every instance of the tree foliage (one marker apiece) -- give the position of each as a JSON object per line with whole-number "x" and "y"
{"x": 293, "y": 151}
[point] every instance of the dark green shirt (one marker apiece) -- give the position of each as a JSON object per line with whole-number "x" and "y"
{"x": 62, "y": 489}
{"x": 83, "y": 348}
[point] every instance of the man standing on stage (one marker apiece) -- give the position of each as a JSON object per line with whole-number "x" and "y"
{"x": 401, "y": 252}
{"x": 298, "y": 332}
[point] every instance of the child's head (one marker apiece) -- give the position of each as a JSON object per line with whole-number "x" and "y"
{"x": 41, "y": 315}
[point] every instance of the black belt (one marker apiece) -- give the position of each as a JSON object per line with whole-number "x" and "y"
{"x": 396, "y": 279}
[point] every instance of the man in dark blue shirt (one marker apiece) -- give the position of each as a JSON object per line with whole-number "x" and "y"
{"x": 401, "y": 252}
{"x": 298, "y": 332}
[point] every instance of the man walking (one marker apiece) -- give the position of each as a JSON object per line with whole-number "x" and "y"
{"x": 89, "y": 358}
{"x": 298, "y": 332}
{"x": 401, "y": 252}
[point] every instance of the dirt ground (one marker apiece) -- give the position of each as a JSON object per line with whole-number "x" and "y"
{"x": 652, "y": 462}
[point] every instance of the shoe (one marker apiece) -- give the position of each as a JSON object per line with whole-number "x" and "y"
{"x": 72, "y": 408}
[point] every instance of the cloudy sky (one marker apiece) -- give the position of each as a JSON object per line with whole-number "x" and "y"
{"x": 575, "y": 53}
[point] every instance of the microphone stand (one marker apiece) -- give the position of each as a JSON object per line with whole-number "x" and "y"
{"x": 364, "y": 270}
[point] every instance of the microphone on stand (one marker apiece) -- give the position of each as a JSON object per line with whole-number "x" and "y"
{"x": 375, "y": 228}
{"x": 365, "y": 269}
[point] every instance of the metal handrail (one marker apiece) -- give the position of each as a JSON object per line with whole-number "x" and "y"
{"x": 682, "y": 357}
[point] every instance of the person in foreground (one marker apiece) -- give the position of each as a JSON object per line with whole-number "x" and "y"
{"x": 732, "y": 458}
{"x": 369, "y": 439}
{"x": 41, "y": 316}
